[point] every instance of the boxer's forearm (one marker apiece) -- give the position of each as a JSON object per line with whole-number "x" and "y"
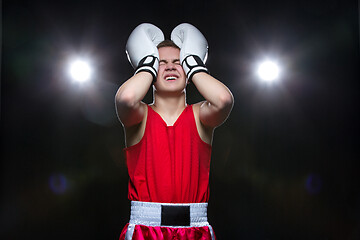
{"x": 214, "y": 91}
{"x": 134, "y": 90}
{"x": 129, "y": 96}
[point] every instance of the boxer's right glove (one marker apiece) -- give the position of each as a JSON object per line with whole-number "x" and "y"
{"x": 193, "y": 48}
{"x": 141, "y": 48}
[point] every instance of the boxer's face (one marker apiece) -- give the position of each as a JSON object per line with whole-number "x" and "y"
{"x": 171, "y": 75}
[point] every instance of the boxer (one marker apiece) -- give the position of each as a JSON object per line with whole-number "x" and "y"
{"x": 168, "y": 142}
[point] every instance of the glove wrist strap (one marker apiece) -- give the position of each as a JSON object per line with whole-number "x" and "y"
{"x": 193, "y": 64}
{"x": 148, "y": 64}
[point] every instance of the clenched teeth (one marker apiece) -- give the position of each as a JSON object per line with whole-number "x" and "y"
{"x": 170, "y": 78}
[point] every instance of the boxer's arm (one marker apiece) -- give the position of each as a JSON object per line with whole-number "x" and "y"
{"x": 144, "y": 57}
{"x": 128, "y": 100}
{"x": 218, "y": 99}
{"x": 193, "y": 55}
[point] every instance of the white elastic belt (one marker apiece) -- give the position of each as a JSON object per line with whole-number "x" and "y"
{"x": 169, "y": 214}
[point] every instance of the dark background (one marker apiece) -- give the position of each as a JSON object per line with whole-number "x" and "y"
{"x": 284, "y": 165}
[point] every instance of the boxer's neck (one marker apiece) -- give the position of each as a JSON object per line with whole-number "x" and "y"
{"x": 169, "y": 106}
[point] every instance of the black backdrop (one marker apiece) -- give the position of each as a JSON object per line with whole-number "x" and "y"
{"x": 284, "y": 165}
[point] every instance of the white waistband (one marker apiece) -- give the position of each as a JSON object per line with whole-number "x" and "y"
{"x": 149, "y": 213}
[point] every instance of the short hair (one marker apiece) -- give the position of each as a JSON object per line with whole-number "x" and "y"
{"x": 167, "y": 43}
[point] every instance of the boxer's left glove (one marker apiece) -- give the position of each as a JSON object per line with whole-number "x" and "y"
{"x": 141, "y": 48}
{"x": 193, "y": 48}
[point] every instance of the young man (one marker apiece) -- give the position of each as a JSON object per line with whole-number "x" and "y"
{"x": 168, "y": 143}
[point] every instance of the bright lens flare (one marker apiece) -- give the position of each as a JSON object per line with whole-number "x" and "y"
{"x": 268, "y": 71}
{"x": 80, "y": 70}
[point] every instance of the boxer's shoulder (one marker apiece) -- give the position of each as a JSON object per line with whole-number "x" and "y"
{"x": 205, "y": 132}
{"x": 135, "y": 133}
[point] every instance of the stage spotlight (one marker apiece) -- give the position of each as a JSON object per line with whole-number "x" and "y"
{"x": 80, "y": 70}
{"x": 268, "y": 71}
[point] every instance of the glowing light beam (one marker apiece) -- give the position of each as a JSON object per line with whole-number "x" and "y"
{"x": 268, "y": 71}
{"x": 80, "y": 70}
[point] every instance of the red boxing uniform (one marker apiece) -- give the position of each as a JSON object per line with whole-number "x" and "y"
{"x": 170, "y": 164}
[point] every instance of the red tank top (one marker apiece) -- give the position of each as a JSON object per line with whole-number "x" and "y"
{"x": 170, "y": 164}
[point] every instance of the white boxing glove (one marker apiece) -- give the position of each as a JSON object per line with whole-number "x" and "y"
{"x": 193, "y": 48}
{"x": 141, "y": 48}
